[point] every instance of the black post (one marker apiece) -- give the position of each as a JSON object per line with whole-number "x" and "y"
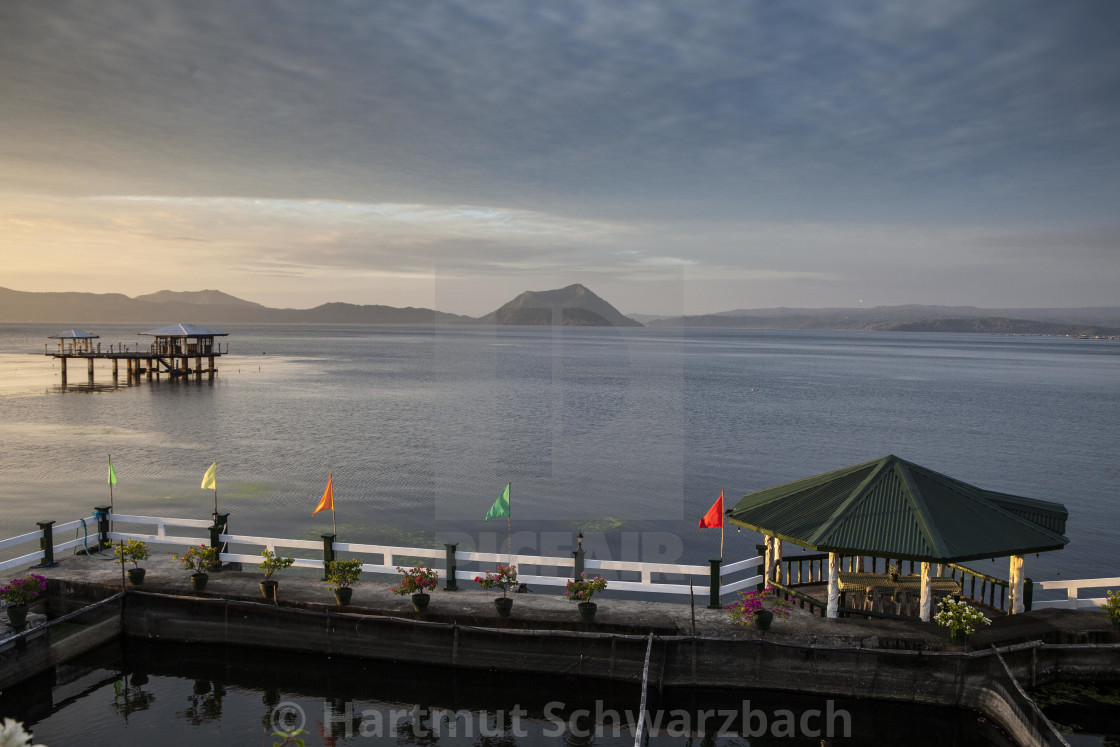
{"x": 577, "y": 571}
{"x": 713, "y": 584}
{"x": 102, "y": 525}
{"x": 219, "y": 527}
{"x": 450, "y": 582}
{"x": 1028, "y": 594}
{"x": 46, "y": 544}
{"x": 328, "y": 552}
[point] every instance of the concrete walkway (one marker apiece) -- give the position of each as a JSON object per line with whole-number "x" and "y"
{"x": 549, "y": 610}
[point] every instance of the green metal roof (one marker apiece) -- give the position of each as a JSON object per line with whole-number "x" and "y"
{"x": 893, "y": 508}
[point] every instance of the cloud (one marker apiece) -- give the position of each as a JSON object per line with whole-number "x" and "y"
{"x": 752, "y": 142}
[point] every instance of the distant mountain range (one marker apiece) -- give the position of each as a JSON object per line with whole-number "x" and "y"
{"x": 1090, "y": 321}
{"x": 574, "y": 305}
{"x": 571, "y": 306}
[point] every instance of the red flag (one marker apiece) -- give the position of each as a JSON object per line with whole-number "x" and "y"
{"x": 327, "y": 503}
{"x": 714, "y": 518}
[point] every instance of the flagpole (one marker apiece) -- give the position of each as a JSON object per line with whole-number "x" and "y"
{"x": 721, "y": 523}
{"x": 111, "y": 485}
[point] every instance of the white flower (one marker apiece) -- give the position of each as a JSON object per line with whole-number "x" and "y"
{"x": 13, "y": 735}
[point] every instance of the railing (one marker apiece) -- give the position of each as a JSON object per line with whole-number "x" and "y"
{"x": 1072, "y": 588}
{"x": 988, "y": 586}
{"x": 45, "y": 539}
{"x": 642, "y": 578}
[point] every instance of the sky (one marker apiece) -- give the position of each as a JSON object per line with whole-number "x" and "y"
{"x": 673, "y": 157}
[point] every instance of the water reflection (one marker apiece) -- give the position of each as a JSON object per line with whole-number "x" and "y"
{"x": 140, "y": 692}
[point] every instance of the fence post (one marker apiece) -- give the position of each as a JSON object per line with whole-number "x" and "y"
{"x": 102, "y": 525}
{"x": 328, "y": 552}
{"x": 577, "y": 569}
{"x": 451, "y": 583}
{"x": 761, "y": 550}
{"x": 219, "y": 527}
{"x": 1028, "y": 594}
{"x": 46, "y": 544}
{"x": 713, "y": 584}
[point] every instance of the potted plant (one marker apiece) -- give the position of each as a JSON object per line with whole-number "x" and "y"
{"x": 961, "y": 619}
{"x": 504, "y": 578}
{"x": 581, "y": 590}
{"x": 133, "y": 551}
{"x": 341, "y": 574}
{"x": 198, "y": 560}
{"x": 20, "y": 593}
{"x": 417, "y": 581}
{"x": 1111, "y": 607}
{"x": 895, "y": 569}
{"x": 758, "y": 608}
{"x": 271, "y": 564}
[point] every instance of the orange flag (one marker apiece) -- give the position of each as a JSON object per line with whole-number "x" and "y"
{"x": 714, "y": 518}
{"x": 327, "y": 503}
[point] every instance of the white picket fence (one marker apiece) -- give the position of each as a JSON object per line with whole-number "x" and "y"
{"x": 1073, "y": 600}
{"x": 530, "y": 567}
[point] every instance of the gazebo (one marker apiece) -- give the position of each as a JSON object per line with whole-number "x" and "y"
{"x": 892, "y": 508}
{"x": 74, "y": 341}
{"x": 184, "y": 339}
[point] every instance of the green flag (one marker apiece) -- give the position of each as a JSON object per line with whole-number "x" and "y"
{"x": 501, "y": 506}
{"x": 112, "y": 473}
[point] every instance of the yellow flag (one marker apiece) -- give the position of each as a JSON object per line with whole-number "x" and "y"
{"x": 210, "y": 479}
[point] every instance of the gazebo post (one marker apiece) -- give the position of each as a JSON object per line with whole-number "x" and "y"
{"x": 778, "y": 561}
{"x": 833, "y": 585}
{"x": 768, "y": 560}
{"x": 927, "y": 593}
{"x": 1015, "y": 604}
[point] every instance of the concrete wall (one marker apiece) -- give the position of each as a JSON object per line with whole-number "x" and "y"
{"x": 975, "y": 680}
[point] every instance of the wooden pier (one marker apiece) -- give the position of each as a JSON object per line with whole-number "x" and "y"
{"x": 180, "y": 350}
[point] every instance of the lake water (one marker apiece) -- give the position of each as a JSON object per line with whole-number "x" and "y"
{"x": 625, "y": 435}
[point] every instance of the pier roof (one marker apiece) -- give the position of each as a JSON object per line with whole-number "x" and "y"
{"x": 74, "y": 334}
{"x": 184, "y": 330}
{"x": 893, "y": 508}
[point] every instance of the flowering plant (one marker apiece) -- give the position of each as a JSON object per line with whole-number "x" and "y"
{"x": 583, "y": 588}
{"x": 198, "y": 559}
{"x": 750, "y": 602}
{"x": 959, "y": 617}
{"x": 416, "y": 580}
{"x": 12, "y": 734}
{"x": 1111, "y": 606}
{"x": 134, "y": 551}
{"x": 504, "y": 578}
{"x": 342, "y": 573}
{"x": 24, "y": 590}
